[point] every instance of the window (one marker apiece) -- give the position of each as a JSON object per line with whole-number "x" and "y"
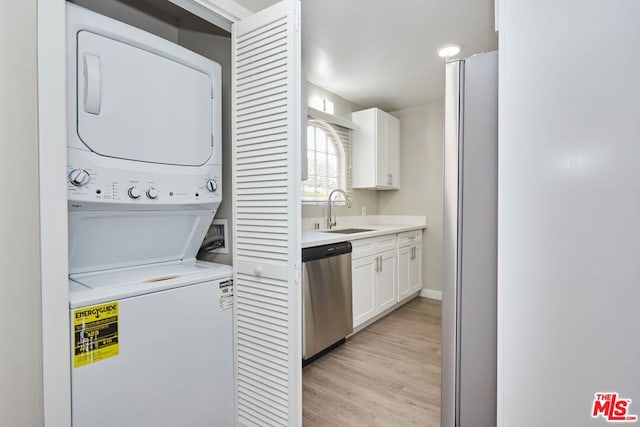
{"x": 329, "y": 160}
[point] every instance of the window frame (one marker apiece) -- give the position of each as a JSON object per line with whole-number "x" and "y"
{"x": 343, "y": 159}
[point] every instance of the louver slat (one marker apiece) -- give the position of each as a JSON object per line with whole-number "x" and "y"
{"x": 269, "y": 108}
{"x": 266, "y": 214}
{"x": 261, "y": 80}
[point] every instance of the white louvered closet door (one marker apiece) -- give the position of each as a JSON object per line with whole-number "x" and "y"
{"x": 266, "y": 202}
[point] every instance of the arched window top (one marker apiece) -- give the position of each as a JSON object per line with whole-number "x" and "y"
{"x": 327, "y": 162}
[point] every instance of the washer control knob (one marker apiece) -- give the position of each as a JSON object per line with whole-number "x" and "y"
{"x": 212, "y": 185}
{"x": 134, "y": 193}
{"x": 79, "y": 177}
{"x": 152, "y": 193}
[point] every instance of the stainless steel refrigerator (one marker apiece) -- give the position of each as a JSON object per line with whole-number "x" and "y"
{"x": 470, "y": 242}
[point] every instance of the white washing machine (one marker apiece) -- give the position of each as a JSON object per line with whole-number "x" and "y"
{"x": 151, "y": 327}
{"x": 152, "y": 346}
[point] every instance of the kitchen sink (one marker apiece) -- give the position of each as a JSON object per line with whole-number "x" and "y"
{"x": 349, "y": 230}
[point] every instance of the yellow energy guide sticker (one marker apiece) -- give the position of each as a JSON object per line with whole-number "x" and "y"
{"x": 95, "y": 333}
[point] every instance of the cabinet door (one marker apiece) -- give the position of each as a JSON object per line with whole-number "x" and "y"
{"x": 392, "y": 152}
{"x": 381, "y": 147}
{"x": 404, "y": 271}
{"x": 415, "y": 270}
{"x": 363, "y": 273}
{"x": 386, "y": 280}
{"x": 364, "y": 149}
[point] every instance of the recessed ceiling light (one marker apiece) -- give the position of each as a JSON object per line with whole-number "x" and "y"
{"x": 449, "y": 51}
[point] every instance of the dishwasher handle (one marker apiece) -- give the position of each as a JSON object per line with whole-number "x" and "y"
{"x": 326, "y": 251}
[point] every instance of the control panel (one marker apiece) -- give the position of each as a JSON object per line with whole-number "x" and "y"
{"x": 87, "y": 184}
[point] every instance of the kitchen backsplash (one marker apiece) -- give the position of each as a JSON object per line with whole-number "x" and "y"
{"x": 359, "y": 199}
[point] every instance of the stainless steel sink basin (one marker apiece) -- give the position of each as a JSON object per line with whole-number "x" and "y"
{"x": 349, "y": 230}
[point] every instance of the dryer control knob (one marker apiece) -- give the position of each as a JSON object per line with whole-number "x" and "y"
{"x": 152, "y": 193}
{"x": 212, "y": 185}
{"x": 134, "y": 193}
{"x": 79, "y": 177}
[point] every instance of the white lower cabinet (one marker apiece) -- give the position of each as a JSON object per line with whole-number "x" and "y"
{"x": 404, "y": 268}
{"x": 415, "y": 272}
{"x": 374, "y": 275}
{"x": 409, "y": 264}
{"x": 385, "y": 270}
{"x": 409, "y": 271}
{"x": 386, "y": 285}
{"x": 363, "y": 273}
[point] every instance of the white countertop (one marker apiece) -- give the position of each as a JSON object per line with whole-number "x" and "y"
{"x": 317, "y": 238}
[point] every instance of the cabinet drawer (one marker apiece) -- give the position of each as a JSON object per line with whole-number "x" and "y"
{"x": 386, "y": 243}
{"x": 363, "y": 247}
{"x": 373, "y": 245}
{"x": 409, "y": 238}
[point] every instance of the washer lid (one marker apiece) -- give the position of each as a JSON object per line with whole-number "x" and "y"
{"x": 94, "y": 288}
{"x": 179, "y": 271}
{"x": 135, "y": 104}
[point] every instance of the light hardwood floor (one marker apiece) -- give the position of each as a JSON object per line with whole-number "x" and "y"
{"x": 386, "y": 375}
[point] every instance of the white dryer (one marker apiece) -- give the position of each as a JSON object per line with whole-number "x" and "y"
{"x": 144, "y": 118}
{"x": 151, "y": 327}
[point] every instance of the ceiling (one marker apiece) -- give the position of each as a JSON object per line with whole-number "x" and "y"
{"x": 256, "y": 5}
{"x": 384, "y": 53}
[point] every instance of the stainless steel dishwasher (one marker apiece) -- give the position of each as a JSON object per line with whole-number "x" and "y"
{"x": 327, "y": 313}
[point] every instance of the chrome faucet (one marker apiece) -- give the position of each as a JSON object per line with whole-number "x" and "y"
{"x": 332, "y": 222}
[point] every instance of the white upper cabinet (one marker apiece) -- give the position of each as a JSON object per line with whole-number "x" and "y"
{"x": 376, "y": 150}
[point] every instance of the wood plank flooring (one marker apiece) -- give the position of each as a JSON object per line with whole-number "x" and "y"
{"x": 386, "y": 375}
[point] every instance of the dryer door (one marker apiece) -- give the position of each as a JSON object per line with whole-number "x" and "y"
{"x": 137, "y": 105}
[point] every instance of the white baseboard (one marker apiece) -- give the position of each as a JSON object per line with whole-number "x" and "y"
{"x": 431, "y": 294}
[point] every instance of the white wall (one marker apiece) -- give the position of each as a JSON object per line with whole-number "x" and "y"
{"x": 342, "y": 107}
{"x": 421, "y": 166}
{"x": 21, "y": 399}
{"x": 367, "y": 198}
{"x": 569, "y": 209}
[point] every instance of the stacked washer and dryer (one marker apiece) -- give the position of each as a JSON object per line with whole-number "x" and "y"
{"x": 151, "y": 327}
